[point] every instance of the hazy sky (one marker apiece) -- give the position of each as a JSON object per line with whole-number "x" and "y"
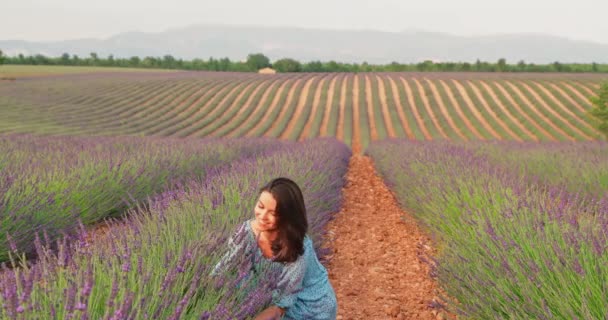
{"x": 69, "y": 19}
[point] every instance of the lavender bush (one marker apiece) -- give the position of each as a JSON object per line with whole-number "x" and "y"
{"x": 49, "y": 183}
{"x": 157, "y": 265}
{"x": 514, "y": 242}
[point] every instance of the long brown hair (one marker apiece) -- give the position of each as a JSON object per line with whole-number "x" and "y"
{"x": 291, "y": 223}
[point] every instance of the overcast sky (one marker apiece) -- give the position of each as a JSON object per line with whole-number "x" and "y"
{"x": 49, "y": 20}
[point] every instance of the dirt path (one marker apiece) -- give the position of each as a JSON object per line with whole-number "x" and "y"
{"x": 375, "y": 269}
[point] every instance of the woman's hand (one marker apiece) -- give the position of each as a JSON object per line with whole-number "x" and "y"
{"x": 270, "y": 313}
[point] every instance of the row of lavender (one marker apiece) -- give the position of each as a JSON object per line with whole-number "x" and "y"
{"x": 48, "y": 184}
{"x": 158, "y": 264}
{"x": 523, "y": 229}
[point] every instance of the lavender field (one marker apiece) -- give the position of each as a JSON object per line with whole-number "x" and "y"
{"x": 157, "y": 263}
{"x": 522, "y": 229}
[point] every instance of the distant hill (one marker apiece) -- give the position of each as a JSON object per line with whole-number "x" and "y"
{"x": 235, "y": 42}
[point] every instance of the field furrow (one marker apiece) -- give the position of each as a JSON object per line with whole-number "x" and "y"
{"x": 493, "y": 114}
{"x": 429, "y": 109}
{"x": 174, "y": 124}
{"x": 238, "y": 112}
{"x": 223, "y": 109}
{"x": 275, "y": 126}
{"x": 328, "y": 106}
{"x": 471, "y": 106}
{"x": 579, "y": 121}
{"x": 555, "y": 114}
{"x": 370, "y": 109}
{"x": 541, "y": 117}
{"x": 296, "y": 116}
{"x": 313, "y": 112}
{"x": 580, "y": 98}
{"x": 175, "y": 113}
{"x": 198, "y": 119}
{"x": 265, "y": 121}
{"x": 386, "y": 114}
{"x": 255, "y": 112}
{"x": 443, "y": 109}
{"x": 342, "y": 110}
{"x": 517, "y": 122}
{"x": 401, "y": 110}
{"x": 410, "y": 99}
{"x": 356, "y": 121}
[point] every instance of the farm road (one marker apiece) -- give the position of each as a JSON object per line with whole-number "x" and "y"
{"x": 374, "y": 268}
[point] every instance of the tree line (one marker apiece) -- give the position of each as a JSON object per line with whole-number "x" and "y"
{"x": 257, "y": 61}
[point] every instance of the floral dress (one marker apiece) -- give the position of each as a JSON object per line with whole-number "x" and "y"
{"x": 305, "y": 293}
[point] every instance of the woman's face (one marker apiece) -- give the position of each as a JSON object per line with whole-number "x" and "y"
{"x": 265, "y": 212}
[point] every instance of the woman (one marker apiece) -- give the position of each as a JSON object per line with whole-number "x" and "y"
{"x": 276, "y": 236}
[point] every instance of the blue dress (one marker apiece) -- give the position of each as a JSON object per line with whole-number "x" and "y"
{"x": 306, "y": 292}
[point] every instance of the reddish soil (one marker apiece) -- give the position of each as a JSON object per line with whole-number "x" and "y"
{"x": 375, "y": 267}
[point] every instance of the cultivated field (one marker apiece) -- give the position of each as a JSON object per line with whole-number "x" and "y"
{"x": 366, "y": 106}
{"x": 497, "y": 209}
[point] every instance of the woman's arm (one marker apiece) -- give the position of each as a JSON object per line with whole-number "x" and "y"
{"x": 271, "y": 313}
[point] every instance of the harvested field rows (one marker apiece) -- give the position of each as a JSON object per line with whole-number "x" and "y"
{"x": 364, "y": 107}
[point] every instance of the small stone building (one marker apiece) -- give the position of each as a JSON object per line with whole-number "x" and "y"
{"x": 267, "y": 71}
